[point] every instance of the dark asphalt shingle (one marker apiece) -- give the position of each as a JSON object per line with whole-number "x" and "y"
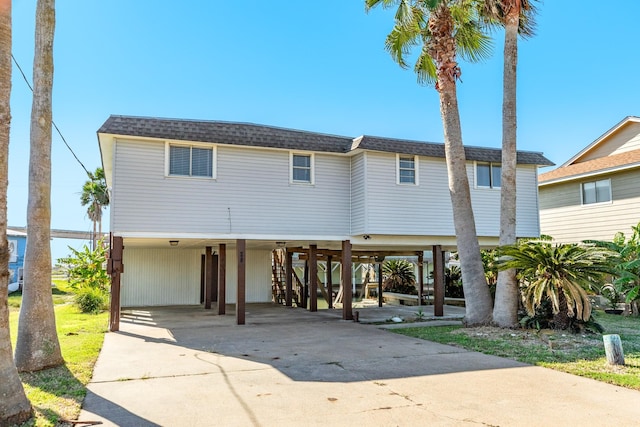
{"x": 253, "y": 135}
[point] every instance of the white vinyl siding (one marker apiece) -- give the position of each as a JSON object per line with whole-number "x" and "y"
{"x": 156, "y": 277}
{"x": 358, "y": 193}
{"x": 625, "y": 139}
{"x": 251, "y": 194}
{"x": 565, "y": 218}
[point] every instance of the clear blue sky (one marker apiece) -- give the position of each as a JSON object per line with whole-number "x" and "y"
{"x": 318, "y": 66}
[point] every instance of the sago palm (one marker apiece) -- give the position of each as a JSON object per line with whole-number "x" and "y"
{"x": 560, "y": 273}
{"x": 445, "y": 29}
{"x": 399, "y": 276}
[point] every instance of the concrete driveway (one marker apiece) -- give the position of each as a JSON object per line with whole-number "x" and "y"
{"x": 288, "y": 367}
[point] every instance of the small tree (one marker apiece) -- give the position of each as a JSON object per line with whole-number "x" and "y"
{"x": 560, "y": 273}
{"x": 88, "y": 277}
{"x": 96, "y": 197}
{"x": 399, "y": 277}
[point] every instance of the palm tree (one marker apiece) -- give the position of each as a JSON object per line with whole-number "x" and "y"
{"x": 559, "y": 273}
{"x": 95, "y": 195}
{"x": 444, "y": 28}
{"x": 516, "y": 16}
{"x": 399, "y": 276}
{"x": 38, "y": 346}
{"x": 14, "y": 405}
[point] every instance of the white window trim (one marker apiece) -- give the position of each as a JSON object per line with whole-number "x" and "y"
{"x": 608, "y": 202}
{"x": 416, "y": 166}
{"x": 214, "y": 160}
{"x": 475, "y": 175}
{"x": 312, "y": 161}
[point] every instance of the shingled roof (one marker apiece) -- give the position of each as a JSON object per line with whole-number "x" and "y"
{"x": 599, "y": 165}
{"x": 254, "y": 135}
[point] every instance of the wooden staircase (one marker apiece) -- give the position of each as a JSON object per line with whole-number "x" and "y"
{"x": 278, "y": 279}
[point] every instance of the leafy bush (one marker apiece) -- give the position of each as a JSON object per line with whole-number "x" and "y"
{"x": 91, "y": 300}
{"x": 453, "y": 282}
{"x": 399, "y": 277}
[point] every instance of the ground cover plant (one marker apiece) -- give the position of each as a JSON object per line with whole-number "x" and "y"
{"x": 57, "y": 394}
{"x": 579, "y": 354}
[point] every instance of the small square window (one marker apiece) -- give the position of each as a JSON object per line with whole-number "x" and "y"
{"x": 302, "y": 168}
{"x": 407, "y": 172}
{"x": 488, "y": 175}
{"x": 596, "y": 192}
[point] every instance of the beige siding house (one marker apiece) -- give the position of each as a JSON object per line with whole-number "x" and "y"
{"x": 596, "y": 193}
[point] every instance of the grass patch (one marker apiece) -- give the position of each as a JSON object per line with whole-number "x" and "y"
{"x": 578, "y": 354}
{"x": 57, "y": 393}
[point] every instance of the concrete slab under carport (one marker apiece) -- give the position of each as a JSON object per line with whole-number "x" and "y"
{"x": 290, "y": 367}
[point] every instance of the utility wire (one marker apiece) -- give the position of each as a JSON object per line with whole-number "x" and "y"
{"x": 52, "y": 122}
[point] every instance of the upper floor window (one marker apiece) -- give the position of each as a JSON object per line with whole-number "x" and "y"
{"x": 186, "y": 160}
{"x": 302, "y": 168}
{"x": 407, "y": 170}
{"x": 488, "y": 175}
{"x": 596, "y": 191}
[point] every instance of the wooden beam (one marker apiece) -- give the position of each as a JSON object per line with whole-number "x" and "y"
{"x": 420, "y": 277}
{"x": 288, "y": 280}
{"x": 202, "y": 277}
{"x": 222, "y": 278}
{"x": 329, "y": 282}
{"x": 209, "y": 277}
{"x": 305, "y": 285}
{"x": 313, "y": 278}
{"x": 115, "y": 267}
{"x": 347, "y": 312}
{"x": 241, "y": 249}
{"x": 380, "y": 299}
{"x": 438, "y": 281}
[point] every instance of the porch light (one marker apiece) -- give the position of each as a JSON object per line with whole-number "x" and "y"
{"x": 173, "y": 242}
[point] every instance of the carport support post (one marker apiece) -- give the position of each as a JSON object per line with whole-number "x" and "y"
{"x": 289, "y": 280}
{"x": 115, "y": 267}
{"x": 329, "y": 281}
{"x": 222, "y": 278}
{"x": 313, "y": 277}
{"x": 420, "y": 277}
{"x": 380, "y": 298}
{"x": 438, "y": 281}
{"x": 347, "y": 313}
{"x": 241, "y": 249}
{"x": 208, "y": 277}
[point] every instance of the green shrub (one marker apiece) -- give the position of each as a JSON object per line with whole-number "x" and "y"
{"x": 91, "y": 300}
{"x": 399, "y": 277}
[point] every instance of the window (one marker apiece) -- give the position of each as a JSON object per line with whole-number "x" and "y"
{"x": 302, "y": 168}
{"x": 488, "y": 175}
{"x": 407, "y": 170}
{"x": 596, "y": 192}
{"x": 191, "y": 161}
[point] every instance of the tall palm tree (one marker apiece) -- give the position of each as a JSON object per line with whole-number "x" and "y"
{"x": 95, "y": 195}
{"x": 444, "y": 28}
{"x": 517, "y": 17}
{"x": 14, "y": 405}
{"x": 38, "y": 346}
{"x": 560, "y": 273}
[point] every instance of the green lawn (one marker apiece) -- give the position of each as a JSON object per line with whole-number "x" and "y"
{"x": 579, "y": 354}
{"x": 57, "y": 393}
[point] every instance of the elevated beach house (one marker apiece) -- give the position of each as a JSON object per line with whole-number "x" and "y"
{"x": 595, "y": 193}
{"x": 210, "y": 211}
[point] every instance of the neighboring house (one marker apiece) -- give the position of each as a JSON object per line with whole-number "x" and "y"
{"x": 17, "y": 246}
{"x": 596, "y": 193}
{"x": 204, "y": 184}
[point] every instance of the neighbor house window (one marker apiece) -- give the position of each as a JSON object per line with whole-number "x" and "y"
{"x": 407, "y": 170}
{"x": 488, "y": 175}
{"x": 596, "y": 191}
{"x": 302, "y": 168}
{"x": 185, "y": 160}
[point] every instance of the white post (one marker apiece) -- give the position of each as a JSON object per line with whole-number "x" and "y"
{"x": 613, "y": 349}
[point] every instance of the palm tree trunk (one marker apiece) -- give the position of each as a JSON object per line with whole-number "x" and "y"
{"x": 505, "y": 311}
{"x": 442, "y": 48}
{"x": 14, "y": 405}
{"x": 38, "y": 346}
{"x": 561, "y": 319}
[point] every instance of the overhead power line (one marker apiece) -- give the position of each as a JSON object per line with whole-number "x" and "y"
{"x": 52, "y": 122}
